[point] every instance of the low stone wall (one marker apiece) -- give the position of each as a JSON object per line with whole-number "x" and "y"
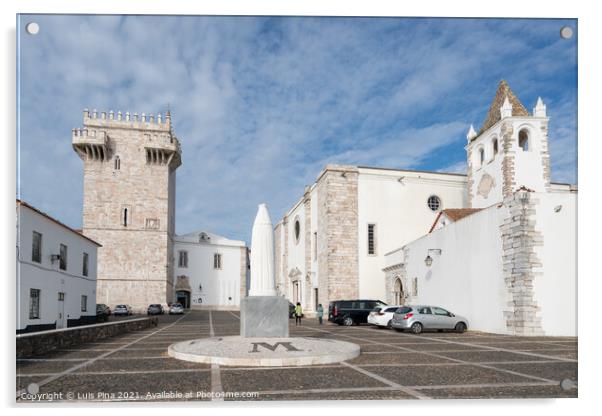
{"x": 38, "y": 343}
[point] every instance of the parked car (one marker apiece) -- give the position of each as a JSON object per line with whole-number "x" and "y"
{"x": 420, "y": 317}
{"x": 382, "y": 315}
{"x": 102, "y": 312}
{"x": 350, "y": 312}
{"x": 155, "y": 309}
{"x": 122, "y": 310}
{"x": 176, "y": 309}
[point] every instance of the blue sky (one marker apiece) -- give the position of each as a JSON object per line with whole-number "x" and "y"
{"x": 261, "y": 104}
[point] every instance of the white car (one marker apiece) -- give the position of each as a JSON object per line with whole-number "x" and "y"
{"x": 382, "y": 315}
{"x": 176, "y": 309}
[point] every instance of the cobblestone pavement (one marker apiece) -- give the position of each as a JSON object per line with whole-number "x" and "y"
{"x": 392, "y": 365}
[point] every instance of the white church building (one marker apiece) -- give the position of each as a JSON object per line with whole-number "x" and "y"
{"x": 485, "y": 245}
{"x": 211, "y": 271}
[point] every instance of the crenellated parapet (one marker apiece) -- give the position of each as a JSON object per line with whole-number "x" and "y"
{"x": 93, "y": 141}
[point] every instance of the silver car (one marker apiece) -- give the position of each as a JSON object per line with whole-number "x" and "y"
{"x": 417, "y": 318}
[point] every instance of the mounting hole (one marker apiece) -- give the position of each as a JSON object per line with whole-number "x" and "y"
{"x": 566, "y": 32}
{"x": 32, "y": 28}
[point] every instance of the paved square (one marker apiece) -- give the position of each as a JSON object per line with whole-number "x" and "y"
{"x": 392, "y": 366}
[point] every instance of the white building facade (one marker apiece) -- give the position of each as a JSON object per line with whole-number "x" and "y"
{"x": 508, "y": 263}
{"x": 56, "y": 273}
{"x": 211, "y": 271}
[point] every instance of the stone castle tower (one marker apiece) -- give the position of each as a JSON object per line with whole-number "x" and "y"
{"x": 510, "y": 151}
{"x": 130, "y": 164}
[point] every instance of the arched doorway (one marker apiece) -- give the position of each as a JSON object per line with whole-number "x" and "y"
{"x": 398, "y": 295}
{"x": 183, "y": 297}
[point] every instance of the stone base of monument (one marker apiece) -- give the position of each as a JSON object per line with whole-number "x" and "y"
{"x": 264, "y": 316}
{"x": 264, "y": 352}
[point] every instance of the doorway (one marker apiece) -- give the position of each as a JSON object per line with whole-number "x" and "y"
{"x": 183, "y": 297}
{"x": 398, "y": 292}
{"x": 61, "y": 321}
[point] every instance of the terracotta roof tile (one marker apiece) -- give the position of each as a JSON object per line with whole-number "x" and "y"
{"x": 454, "y": 214}
{"x": 493, "y": 115}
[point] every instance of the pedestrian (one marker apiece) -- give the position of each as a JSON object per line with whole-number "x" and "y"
{"x": 320, "y": 313}
{"x": 298, "y": 314}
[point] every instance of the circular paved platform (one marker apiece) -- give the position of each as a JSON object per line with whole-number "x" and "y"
{"x": 264, "y": 352}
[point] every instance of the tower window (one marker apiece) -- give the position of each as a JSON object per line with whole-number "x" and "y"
{"x": 125, "y": 217}
{"x": 371, "y": 239}
{"x": 434, "y": 203}
{"x": 217, "y": 261}
{"x": 495, "y": 147}
{"x": 523, "y": 140}
{"x": 117, "y": 163}
{"x": 481, "y": 156}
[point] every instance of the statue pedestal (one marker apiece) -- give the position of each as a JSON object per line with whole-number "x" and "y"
{"x": 264, "y": 316}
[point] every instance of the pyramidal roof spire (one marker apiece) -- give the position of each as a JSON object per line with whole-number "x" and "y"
{"x": 494, "y": 114}
{"x": 472, "y": 134}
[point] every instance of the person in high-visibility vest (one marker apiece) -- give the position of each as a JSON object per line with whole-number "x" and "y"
{"x": 298, "y": 314}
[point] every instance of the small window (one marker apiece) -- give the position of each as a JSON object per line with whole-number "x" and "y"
{"x": 117, "y": 163}
{"x": 217, "y": 261}
{"x": 415, "y": 287}
{"x": 34, "y": 303}
{"x": 85, "y": 266}
{"x": 63, "y": 259}
{"x": 481, "y": 156}
{"x": 36, "y": 247}
{"x": 84, "y": 303}
{"x": 495, "y": 147}
{"x": 523, "y": 140}
{"x": 434, "y": 203}
{"x": 297, "y": 230}
{"x": 183, "y": 259}
{"x": 125, "y": 217}
{"x": 371, "y": 239}
{"x": 61, "y": 296}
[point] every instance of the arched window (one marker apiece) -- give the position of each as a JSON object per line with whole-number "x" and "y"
{"x": 523, "y": 140}
{"x": 481, "y": 156}
{"x": 297, "y": 230}
{"x": 495, "y": 147}
{"x": 117, "y": 163}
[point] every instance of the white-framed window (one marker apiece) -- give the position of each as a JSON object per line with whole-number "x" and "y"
{"x": 36, "y": 247}
{"x": 183, "y": 258}
{"x": 34, "y": 303}
{"x": 523, "y": 140}
{"x": 434, "y": 203}
{"x": 217, "y": 261}
{"x": 63, "y": 258}
{"x": 84, "y": 303}
{"x": 372, "y": 239}
{"x": 85, "y": 264}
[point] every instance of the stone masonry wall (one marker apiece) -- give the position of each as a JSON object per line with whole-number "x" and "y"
{"x": 521, "y": 265}
{"x": 337, "y": 239}
{"x": 309, "y": 306}
{"x": 508, "y": 177}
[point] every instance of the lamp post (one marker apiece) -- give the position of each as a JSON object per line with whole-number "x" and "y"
{"x": 428, "y": 261}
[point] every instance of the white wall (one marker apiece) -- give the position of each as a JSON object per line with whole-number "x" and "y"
{"x": 296, "y": 251}
{"x": 400, "y": 213}
{"x": 220, "y": 287}
{"x": 556, "y": 289}
{"x": 466, "y": 278}
{"x": 46, "y": 276}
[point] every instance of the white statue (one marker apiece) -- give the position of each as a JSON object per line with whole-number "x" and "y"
{"x": 263, "y": 281}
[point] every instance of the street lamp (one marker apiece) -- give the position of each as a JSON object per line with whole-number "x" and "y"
{"x": 428, "y": 261}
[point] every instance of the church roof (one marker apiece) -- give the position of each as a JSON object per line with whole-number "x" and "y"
{"x": 454, "y": 214}
{"x": 494, "y": 115}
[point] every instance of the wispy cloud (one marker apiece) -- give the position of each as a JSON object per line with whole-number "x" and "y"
{"x": 261, "y": 104}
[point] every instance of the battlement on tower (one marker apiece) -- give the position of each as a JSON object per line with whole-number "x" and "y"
{"x": 112, "y": 119}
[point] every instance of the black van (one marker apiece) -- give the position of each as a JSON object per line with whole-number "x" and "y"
{"x": 349, "y": 312}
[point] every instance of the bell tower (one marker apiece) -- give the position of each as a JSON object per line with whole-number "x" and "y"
{"x": 130, "y": 164}
{"x": 510, "y": 150}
